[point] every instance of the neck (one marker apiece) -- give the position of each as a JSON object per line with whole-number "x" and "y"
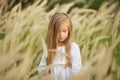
{"x": 60, "y": 43}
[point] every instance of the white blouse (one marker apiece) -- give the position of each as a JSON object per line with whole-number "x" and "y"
{"x": 60, "y": 60}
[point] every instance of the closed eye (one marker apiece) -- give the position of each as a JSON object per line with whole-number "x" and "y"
{"x": 65, "y": 30}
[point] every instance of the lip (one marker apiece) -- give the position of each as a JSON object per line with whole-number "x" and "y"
{"x": 60, "y": 38}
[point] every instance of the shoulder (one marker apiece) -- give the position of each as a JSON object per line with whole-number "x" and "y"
{"x": 74, "y": 46}
{"x": 75, "y": 51}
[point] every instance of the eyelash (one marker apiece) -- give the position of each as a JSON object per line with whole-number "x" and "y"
{"x": 63, "y": 31}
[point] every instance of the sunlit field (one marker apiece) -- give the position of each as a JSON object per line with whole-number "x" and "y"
{"x": 23, "y": 33}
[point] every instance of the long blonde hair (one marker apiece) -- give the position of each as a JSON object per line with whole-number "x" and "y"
{"x": 51, "y": 39}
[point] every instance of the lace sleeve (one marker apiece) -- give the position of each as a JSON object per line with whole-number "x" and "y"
{"x": 76, "y": 59}
{"x": 42, "y": 63}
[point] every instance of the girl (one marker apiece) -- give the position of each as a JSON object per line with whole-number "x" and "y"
{"x": 62, "y": 51}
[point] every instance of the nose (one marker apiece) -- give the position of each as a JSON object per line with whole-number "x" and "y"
{"x": 61, "y": 34}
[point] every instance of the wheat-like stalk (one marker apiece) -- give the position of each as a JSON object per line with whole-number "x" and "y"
{"x": 22, "y": 34}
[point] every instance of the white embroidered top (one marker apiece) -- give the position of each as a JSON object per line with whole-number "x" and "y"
{"x": 60, "y": 60}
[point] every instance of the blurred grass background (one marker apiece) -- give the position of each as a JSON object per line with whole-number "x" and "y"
{"x": 23, "y": 28}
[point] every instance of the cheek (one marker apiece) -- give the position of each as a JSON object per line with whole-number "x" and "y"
{"x": 67, "y": 34}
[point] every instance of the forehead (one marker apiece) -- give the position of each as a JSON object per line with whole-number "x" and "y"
{"x": 63, "y": 26}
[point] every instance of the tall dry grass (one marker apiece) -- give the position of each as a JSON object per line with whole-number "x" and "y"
{"x": 96, "y": 33}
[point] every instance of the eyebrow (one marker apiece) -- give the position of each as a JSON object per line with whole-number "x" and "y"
{"x": 65, "y": 29}
{"x": 62, "y": 29}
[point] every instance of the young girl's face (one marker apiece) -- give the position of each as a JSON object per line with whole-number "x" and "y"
{"x": 62, "y": 32}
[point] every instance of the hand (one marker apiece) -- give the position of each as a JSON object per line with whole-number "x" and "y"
{"x": 45, "y": 72}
